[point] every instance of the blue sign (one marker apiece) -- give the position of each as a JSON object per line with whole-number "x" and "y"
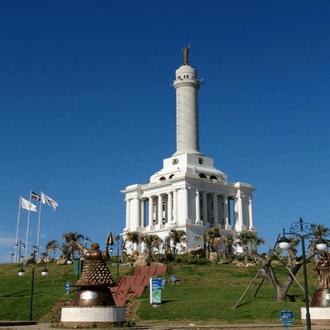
{"x": 67, "y": 287}
{"x": 157, "y": 284}
{"x": 286, "y": 318}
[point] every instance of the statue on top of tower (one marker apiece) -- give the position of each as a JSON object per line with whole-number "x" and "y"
{"x": 185, "y": 52}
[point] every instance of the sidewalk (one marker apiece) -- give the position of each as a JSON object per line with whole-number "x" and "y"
{"x": 26, "y": 325}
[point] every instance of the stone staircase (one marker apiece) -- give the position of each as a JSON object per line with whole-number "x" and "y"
{"x": 134, "y": 286}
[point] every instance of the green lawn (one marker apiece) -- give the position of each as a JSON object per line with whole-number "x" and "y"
{"x": 15, "y": 291}
{"x": 207, "y": 294}
{"x": 204, "y": 294}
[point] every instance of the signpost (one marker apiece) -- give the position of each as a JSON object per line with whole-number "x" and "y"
{"x": 156, "y": 286}
{"x": 286, "y": 318}
{"x": 67, "y": 287}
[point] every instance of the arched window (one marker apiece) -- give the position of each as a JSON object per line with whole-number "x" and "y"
{"x": 171, "y": 176}
{"x": 213, "y": 177}
{"x": 162, "y": 178}
{"x": 202, "y": 175}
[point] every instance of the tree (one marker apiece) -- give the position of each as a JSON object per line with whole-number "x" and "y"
{"x": 71, "y": 238}
{"x": 151, "y": 241}
{"x": 212, "y": 239}
{"x": 177, "y": 237}
{"x": 44, "y": 254}
{"x": 246, "y": 240}
{"x": 65, "y": 249}
{"x": 226, "y": 241}
{"x": 134, "y": 237}
{"x": 292, "y": 264}
{"x": 52, "y": 246}
{"x": 318, "y": 231}
{"x": 292, "y": 251}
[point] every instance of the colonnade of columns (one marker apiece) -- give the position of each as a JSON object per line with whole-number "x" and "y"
{"x": 184, "y": 206}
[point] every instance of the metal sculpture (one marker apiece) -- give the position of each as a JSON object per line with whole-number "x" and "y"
{"x": 321, "y": 297}
{"x": 95, "y": 279}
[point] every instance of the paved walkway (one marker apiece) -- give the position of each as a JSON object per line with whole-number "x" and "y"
{"x": 41, "y": 326}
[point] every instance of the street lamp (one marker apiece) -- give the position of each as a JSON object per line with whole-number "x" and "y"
{"x": 118, "y": 258}
{"x": 19, "y": 245}
{"x": 303, "y": 230}
{"x": 21, "y": 272}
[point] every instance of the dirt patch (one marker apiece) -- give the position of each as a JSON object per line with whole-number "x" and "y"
{"x": 55, "y": 313}
{"x": 131, "y": 310}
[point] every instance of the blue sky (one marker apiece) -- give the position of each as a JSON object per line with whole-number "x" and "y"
{"x": 87, "y": 107}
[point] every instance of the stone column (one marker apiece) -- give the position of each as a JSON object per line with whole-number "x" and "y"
{"x": 135, "y": 213}
{"x": 205, "y": 220}
{"x": 128, "y": 224}
{"x": 142, "y": 222}
{"x": 225, "y": 211}
{"x": 169, "y": 208}
{"x": 151, "y": 202}
{"x": 215, "y": 210}
{"x": 160, "y": 210}
{"x": 239, "y": 210}
{"x": 175, "y": 208}
{"x": 184, "y": 206}
{"x": 251, "y": 226}
{"x": 198, "y": 209}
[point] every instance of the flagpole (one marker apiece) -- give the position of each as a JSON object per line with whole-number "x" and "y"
{"x": 17, "y": 257}
{"x": 28, "y": 229}
{"x": 39, "y": 228}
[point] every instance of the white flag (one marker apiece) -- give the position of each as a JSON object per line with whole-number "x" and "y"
{"x": 49, "y": 201}
{"x": 25, "y": 204}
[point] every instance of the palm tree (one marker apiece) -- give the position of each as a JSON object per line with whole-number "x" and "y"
{"x": 52, "y": 246}
{"x": 256, "y": 241}
{"x": 44, "y": 254}
{"x": 319, "y": 232}
{"x": 177, "y": 237}
{"x": 134, "y": 237}
{"x": 151, "y": 241}
{"x": 212, "y": 239}
{"x": 227, "y": 241}
{"x": 71, "y": 238}
{"x": 244, "y": 240}
{"x": 247, "y": 239}
{"x": 65, "y": 249}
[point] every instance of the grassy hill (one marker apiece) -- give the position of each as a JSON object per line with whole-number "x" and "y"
{"x": 204, "y": 294}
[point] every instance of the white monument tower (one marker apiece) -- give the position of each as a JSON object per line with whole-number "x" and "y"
{"x": 188, "y": 193}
